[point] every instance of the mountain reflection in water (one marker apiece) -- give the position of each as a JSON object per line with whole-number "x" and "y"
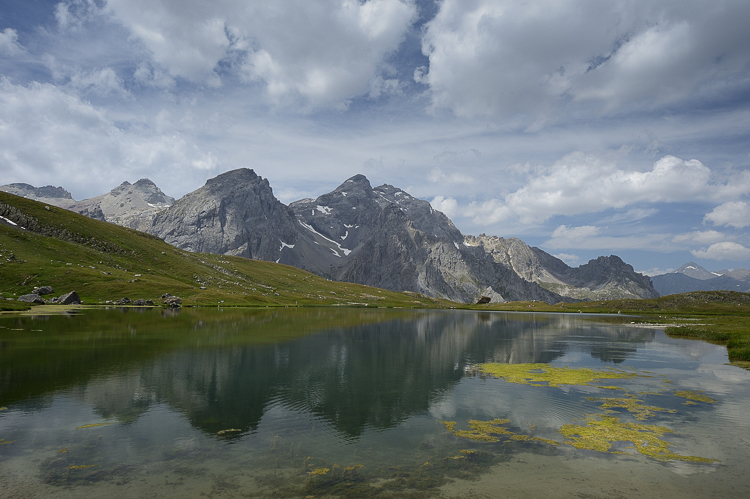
{"x": 224, "y": 369}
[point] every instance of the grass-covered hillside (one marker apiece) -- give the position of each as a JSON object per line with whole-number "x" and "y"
{"x": 50, "y": 246}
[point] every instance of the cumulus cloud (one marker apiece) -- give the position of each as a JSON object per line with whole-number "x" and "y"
{"x": 723, "y": 251}
{"x": 323, "y": 53}
{"x": 585, "y": 184}
{"x": 487, "y": 212}
{"x": 700, "y": 237}
{"x": 438, "y": 176}
{"x": 448, "y": 206}
{"x": 733, "y": 213}
{"x": 47, "y": 133}
{"x": 71, "y": 15}
{"x": 489, "y": 58}
{"x": 590, "y": 237}
{"x": 152, "y": 77}
{"x": 582, "y": 183}
{"x": 568, "y": 258}
{"x": 9, "y": 42}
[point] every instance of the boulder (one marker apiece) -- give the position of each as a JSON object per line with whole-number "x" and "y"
{"x": 122, "y": 301}
{"x": 43, "y": 290}
{"x": 31, "y": 298}
{"x": 71, "y": 298}
{"x": 173, "y": 302}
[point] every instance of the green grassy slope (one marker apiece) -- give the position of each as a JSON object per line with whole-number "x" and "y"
{"x": 103, "y": 261}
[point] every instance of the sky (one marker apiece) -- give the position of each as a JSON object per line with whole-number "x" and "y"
{"x": 583, "y": 127}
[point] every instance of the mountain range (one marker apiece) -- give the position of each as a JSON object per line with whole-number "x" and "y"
{"x": 378, "y": 236}
{"x": 693, "y": 277}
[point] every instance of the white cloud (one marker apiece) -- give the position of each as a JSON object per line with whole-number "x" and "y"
{"x": 448, "y": 206}
{"x": 700, "y": 237}
{"x": 380, "y": 86}
{"x": 486, "y": 213}
{"x": 46, "y": 133}
{"x": 590, "y": 237}
{"x": 585, "y": 184}
{"x": 72, "y": 14}
{"x": 323, "y": 53}
{"x": 571, "y": 260}
{"x": 489, "y": 58}
{"x": 438, "y": 176}
{"x": 565, "y": 236}
{"x": 655, "y": 271}
{"x": 9, "y": 42}
{"x": 723, "y": 251}
{"x": 103, "y": 82}
{"x": 152, "y": 77}
{"x": 734, "y": 213}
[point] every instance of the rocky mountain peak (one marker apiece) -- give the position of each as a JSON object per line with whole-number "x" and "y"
{"x": 48, "y": 193}
{"x": 234, "y": 213}
{"x": 692, "y": 269}
{"x": 228, "y": 180}
{"x": 356, "y": 182}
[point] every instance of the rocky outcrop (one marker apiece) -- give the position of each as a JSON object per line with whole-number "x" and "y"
{"x": 605, "y": 278}
{"x": 386, "y": 238}
{"x": 129, "y": 205}
{"x": 235, "y": 213}
{"x": 56, "y": 196}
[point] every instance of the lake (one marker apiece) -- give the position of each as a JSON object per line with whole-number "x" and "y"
{"x": 365, "y": 403}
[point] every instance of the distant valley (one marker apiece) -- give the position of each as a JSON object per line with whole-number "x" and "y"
{"x": 378, "y": 236}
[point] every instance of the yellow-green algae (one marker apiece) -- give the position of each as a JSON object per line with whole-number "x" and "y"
{"x": 482, "y": 431}
{"x": 228, "y": 430}
{"x": 694, "y": 396}
{"x": 600, "y": 432}
{"x": 92, "y": 425}
{"x": 631, "y": 404}
{"x": 537, "y": 374}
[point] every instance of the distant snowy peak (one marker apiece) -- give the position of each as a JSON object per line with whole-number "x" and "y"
{"x": 692, "y": 269}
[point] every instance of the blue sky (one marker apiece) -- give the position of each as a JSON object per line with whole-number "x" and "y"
{"x": 583, "y": 127}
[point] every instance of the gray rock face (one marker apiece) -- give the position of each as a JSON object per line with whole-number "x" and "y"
{"x": 129, "y": 205}
{"x": 379, "y": 236}
{"x": 235, "y": 213}
{"x": 386, "y": 238}
{"x": 56, "y": 196}
{"x": 605, "y": 278}
{"x": 71, "y": 298}
{"x": 31, "y": 298}
{"x": 692, "y": 269}
{"x": 43, "y": 290}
